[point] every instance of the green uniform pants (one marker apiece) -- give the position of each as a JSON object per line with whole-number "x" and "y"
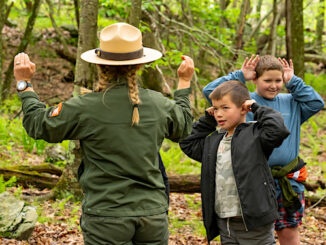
{"x": 143, "y": 230}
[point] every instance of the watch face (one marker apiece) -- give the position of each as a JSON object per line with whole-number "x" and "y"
{"x": 21, "y": 85}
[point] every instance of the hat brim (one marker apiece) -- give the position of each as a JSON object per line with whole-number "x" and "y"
{"x": 149, "y": 56}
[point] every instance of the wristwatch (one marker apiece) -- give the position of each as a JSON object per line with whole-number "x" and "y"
{"x": 22, "y": 85}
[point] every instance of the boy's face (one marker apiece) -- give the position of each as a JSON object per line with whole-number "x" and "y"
{"x": 227, "y": 114}
{"x": 269, "y": 84}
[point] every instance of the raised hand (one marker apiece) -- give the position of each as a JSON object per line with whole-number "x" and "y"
{"x": 210, "y": 110}
{"x": 247, "y": 105}
{"x": 24, "y": 69}
{"x": 249, "y": 66}
{"x": 287, "y": 68}
{"x": 185, "y": 72}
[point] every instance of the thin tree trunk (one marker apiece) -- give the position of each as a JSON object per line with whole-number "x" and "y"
{"x": 273, "y": 32}
{"x": 297, "y": 40}
{"x": 77, "y": 15}
{"x": 320, "y": 26}
{"x": 245, "y": 6}
{"x": 64, "y": 49}
{"x": 135, "y": 13}
{"x": 2, "y": 23}
{"x": 288, "y": 13}
{"x": 22, "y": 47}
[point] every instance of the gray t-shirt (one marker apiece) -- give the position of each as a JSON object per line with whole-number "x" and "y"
{"x": 227, "y": 202}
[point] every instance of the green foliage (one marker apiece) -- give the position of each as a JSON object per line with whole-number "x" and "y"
{"x": 317, "y": 82}
{"x": 31, "y": 144}
{"x": 171, "y": 58}
{"x": 9, "y": 183}
{"x": 175, "y": 161}
{"x": 195, "y": 28}
{"x": 114, "y": 9}
{"x": 11, "y": 106}
{"x": 13, "y": 136}
{"x": 65, "y": 209}
{"x": 313, "y": 137}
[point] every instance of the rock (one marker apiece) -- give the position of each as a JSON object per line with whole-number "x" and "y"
{"x": 17, "y": 220}
{"x": 55, "y": 153}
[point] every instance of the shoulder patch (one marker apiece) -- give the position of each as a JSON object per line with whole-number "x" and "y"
{"x": 56, "y": 111}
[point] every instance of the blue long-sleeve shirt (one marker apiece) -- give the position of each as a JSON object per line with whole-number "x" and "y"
{"x": 296, "y": 107}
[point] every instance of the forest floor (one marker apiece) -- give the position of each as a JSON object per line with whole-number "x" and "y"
{"x": 52, "y": 83}
{"x": 65, "y": 232}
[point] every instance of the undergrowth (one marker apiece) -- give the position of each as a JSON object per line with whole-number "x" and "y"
{"x": 14, "y": 141}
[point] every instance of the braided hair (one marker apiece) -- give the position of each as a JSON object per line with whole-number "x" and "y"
{"x": 110, "y": 76}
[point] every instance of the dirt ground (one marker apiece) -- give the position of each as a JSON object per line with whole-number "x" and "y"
{"x": 53, "y": 85}
{"x": 313, "y": 230}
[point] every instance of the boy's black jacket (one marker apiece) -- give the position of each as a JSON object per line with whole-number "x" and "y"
{"x": 252, "y": 144}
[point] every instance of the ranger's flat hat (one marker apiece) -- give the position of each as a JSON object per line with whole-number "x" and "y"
{"x": 121, "y": 44}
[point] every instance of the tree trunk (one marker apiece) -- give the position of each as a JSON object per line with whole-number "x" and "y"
{"x": 22, "y": 47}
{"x": 135, "y": 13}
{"x": 68, "y": 181}
{"x": 288, "y": 32}
{"x": 152, "y": 78}
{"x": 85, "y": 77}
{"x": 245, "y": 8}
{"x": 2, "y": 23}
{"x": 320, "y": 26}
{"x": 63, "y": 48}
{"x": 77, "y": 15}
{"x": 273, "y": 32}
{"x": 87, "y": 39}
{"x": 297, "y": 36}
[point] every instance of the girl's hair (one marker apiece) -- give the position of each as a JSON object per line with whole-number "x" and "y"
{"x": 110, "y": 76}
{"x": 267, "y": 63}
{"x": 237, "y": 91}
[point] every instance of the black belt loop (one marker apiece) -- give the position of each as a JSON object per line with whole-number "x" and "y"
{"x": 119, "y": 56}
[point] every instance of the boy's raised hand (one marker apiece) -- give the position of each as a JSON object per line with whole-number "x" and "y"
{"x": 210, "y": 110}
{"x": 247, "y": 105}
{"x": 249, "y": 66}
{"x": 288, "y": 69}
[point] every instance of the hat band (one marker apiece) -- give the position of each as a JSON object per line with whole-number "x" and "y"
{"x": 119, "y": 56}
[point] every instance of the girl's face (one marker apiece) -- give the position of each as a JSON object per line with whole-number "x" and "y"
{"x": 227, "y": 114}
{"x": 269, "y": 84}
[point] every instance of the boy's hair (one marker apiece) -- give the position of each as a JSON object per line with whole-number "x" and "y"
{"x": 238, "y": 92}
{"x": 267, "y": 63}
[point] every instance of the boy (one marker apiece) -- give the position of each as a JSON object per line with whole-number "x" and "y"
{"x": 238, "y": 195}
{"x": 269, "y": 74}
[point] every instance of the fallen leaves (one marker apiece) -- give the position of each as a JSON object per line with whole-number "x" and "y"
{"x": 62, "y": 226}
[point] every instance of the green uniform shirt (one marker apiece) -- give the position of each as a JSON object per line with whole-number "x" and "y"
{"x": 121, "y": 175}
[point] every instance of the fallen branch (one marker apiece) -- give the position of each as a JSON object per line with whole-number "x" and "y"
{"x": 47, "y": 175}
